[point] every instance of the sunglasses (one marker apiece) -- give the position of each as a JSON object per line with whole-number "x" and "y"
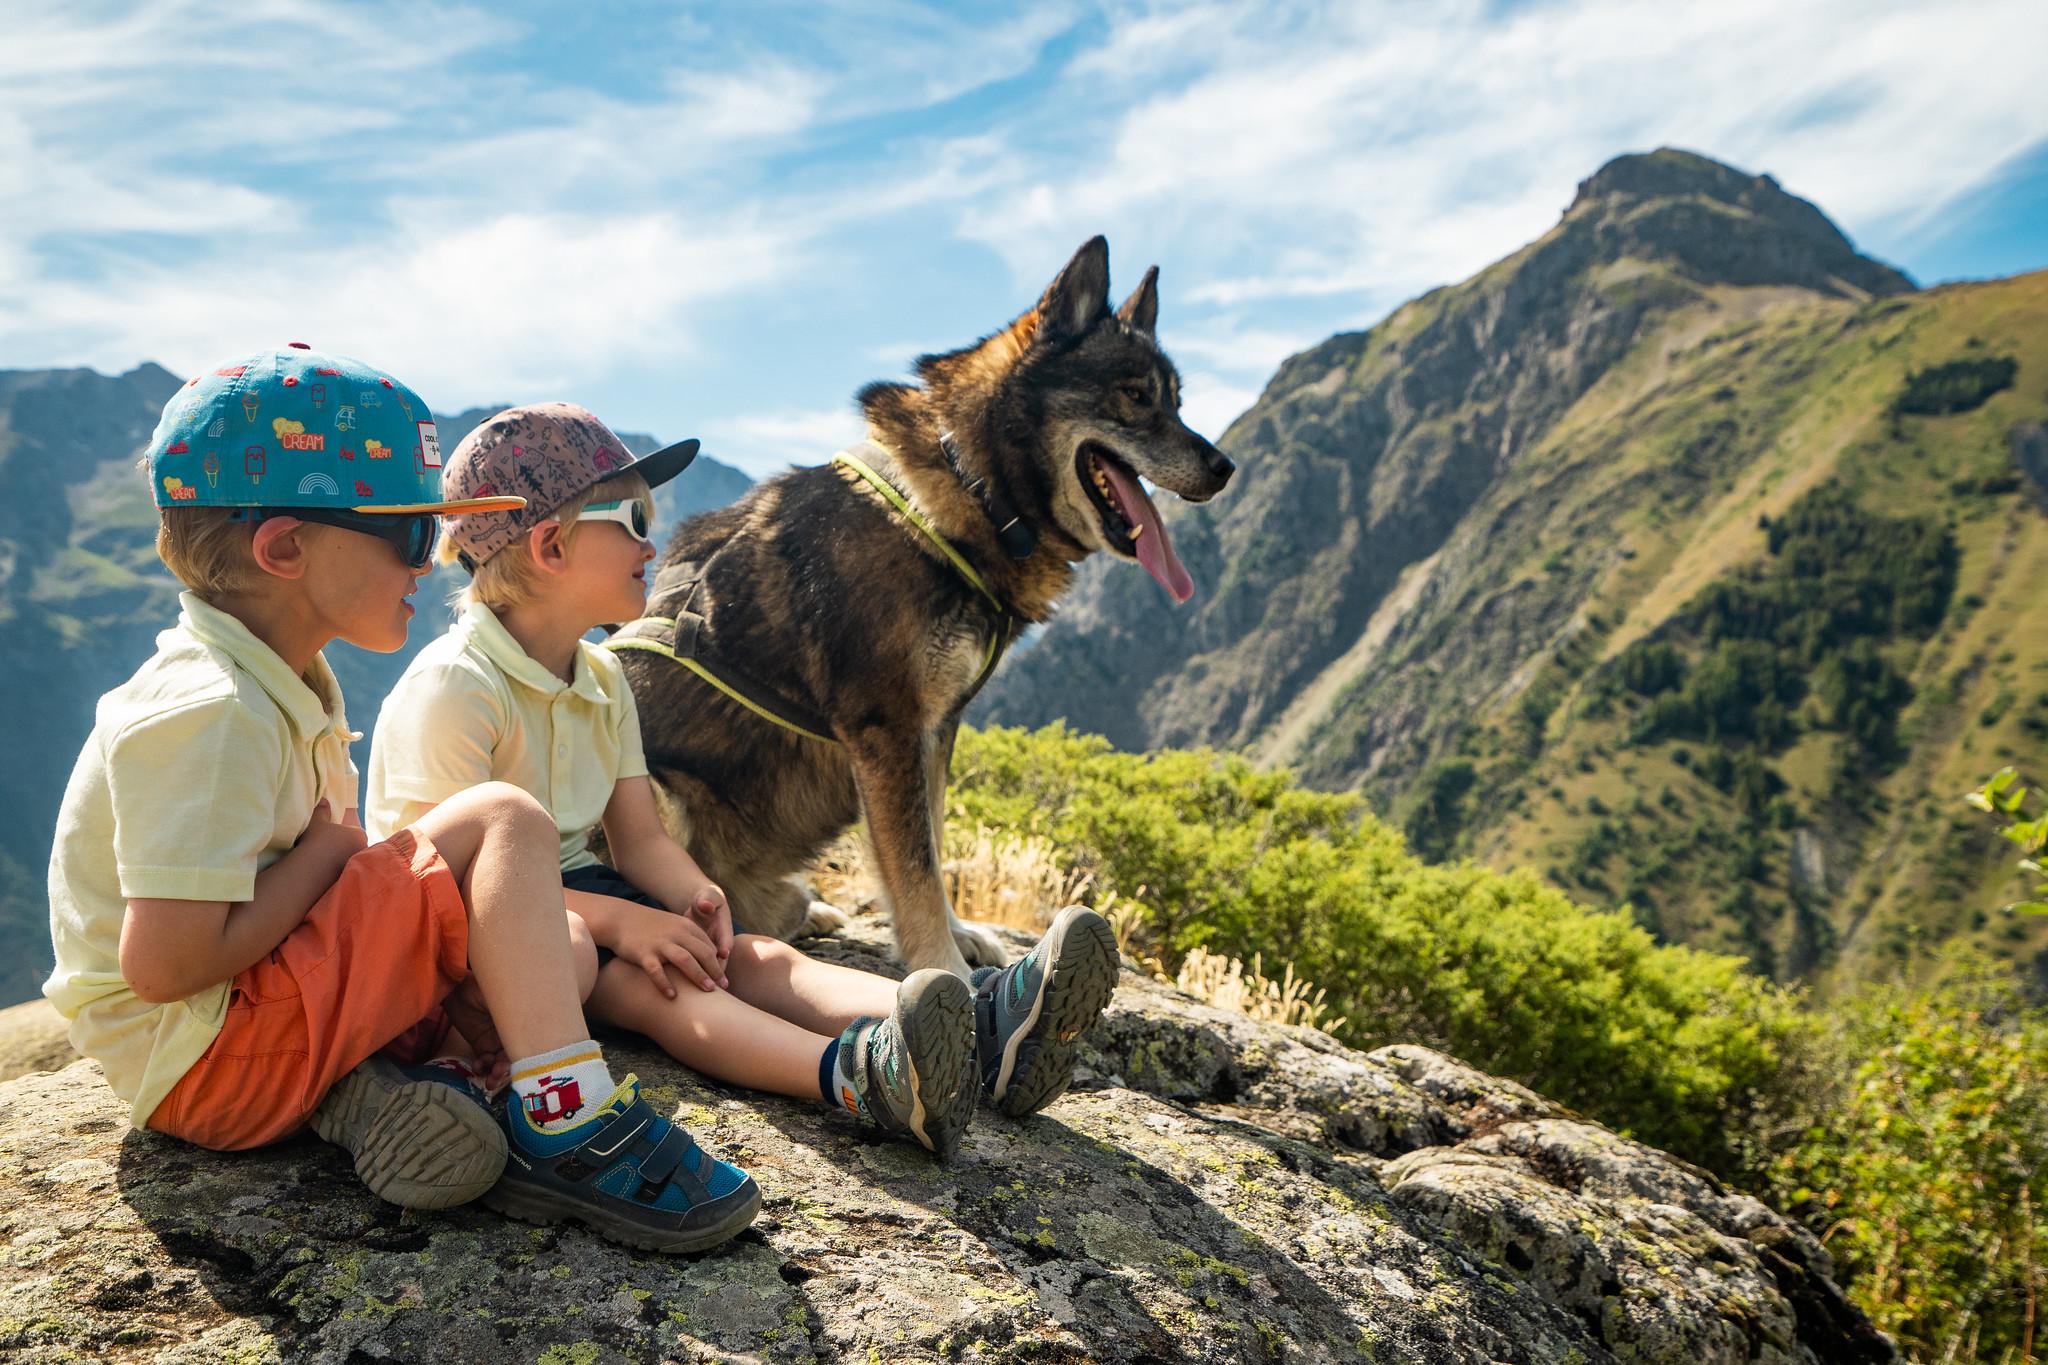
{"x": 412, "y": 534}
{"x": 630, "y": 513}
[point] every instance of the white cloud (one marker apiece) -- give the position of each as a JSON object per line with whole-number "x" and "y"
{"x": 414, "y": 183}
{"x": 762, "y": 443}
{"x": 517, "y": 303}
{"x": 1300, "y": 150}
{"x": 1209, "y": 404}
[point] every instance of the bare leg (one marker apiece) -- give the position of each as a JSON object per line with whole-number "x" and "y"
{"x": 501, "y": 846}
{"x": 820, "y": 996}
{"x": 714, "y": 1032}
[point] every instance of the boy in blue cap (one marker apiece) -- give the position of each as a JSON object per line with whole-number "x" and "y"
{"x": 229, "y": 946}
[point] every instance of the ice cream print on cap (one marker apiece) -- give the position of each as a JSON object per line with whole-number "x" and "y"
{"x": 267, "y": 431}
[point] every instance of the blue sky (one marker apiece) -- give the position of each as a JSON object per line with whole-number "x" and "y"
{"x": 720, "y": 220}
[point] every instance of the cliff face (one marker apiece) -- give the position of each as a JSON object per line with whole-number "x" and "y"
{"x": 1214, "y": 1190}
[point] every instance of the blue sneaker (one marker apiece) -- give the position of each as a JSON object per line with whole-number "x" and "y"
{"x": 626, "y": 1173}
{"x": 913, "y": 1073}
{"x": 422, "y": 1137}
{"x": 1028, "y": 1014}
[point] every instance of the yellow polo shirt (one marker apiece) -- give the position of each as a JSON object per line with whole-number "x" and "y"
{"x": 201, "y": 770}
{"x": 475, "y": 707}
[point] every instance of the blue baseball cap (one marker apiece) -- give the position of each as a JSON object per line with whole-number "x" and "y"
{"x": 296, "y": 428}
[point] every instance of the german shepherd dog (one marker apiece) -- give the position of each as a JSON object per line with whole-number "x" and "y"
{"x": 815, "y": 584}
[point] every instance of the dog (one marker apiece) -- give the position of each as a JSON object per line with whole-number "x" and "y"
{"x": 818, "y": 596}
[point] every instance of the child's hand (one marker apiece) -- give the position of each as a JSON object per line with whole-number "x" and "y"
{"x": 657, "y": 940}
{"x": 471, "y": 1018}
{"x": 336, "y": 839}
{"x": 714, "y": 917}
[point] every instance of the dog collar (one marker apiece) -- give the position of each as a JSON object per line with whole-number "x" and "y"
{"x": 1018, "y": 540}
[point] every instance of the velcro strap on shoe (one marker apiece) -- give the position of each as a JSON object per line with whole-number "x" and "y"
{"x": 673, "y": 1157}
{"x": 600, "y": 1151}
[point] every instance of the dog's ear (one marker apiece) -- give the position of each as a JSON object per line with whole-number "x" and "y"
{"x": 1081, "y": 293}
{"x": 1141, "y": 309}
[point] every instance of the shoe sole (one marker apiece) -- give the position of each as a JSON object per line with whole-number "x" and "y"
{"x": 417, "y": 1144}
{"x": 934, "y": 1015}
{"x": 531, "y": 1205}
{"x": 1079, "y": 980}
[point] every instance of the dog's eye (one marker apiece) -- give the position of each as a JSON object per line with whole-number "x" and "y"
{"x": 1137, "y": 393}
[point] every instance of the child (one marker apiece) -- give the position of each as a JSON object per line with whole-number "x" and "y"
{"x": 514, "y": 693}
{"x": 229, "y": 948}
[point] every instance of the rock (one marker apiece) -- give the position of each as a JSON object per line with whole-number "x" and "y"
{"x": 1214, "y": 1190}
{"x": 33, "y": 1037}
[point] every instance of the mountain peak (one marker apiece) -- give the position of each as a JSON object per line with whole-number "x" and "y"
{"x": 1725, "y": 225}
{"x": 1673, "y": 171}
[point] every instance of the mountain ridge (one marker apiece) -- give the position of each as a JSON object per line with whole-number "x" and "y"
{"x": 1437, "y": 516}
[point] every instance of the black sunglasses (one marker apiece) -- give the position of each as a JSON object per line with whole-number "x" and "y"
{"x": 412, "y": 534}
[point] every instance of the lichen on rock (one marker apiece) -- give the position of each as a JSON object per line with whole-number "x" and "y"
{"x": 1214, "y": 1189}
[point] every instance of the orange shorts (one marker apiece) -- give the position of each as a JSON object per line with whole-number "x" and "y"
{"x": 365, "y": 971}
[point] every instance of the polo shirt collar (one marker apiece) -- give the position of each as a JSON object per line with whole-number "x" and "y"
{"x": 490, "y": 636}
{"x": 313, "y": 710}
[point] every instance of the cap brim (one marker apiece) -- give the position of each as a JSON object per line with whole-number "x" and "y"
{"x": 666, "y": 463}
{"x": 448, "y": 509}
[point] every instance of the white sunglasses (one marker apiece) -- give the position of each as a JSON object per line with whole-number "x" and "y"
{"x": 630, "y": 513}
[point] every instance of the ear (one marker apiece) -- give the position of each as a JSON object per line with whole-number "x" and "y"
{"x": 278, "y": 549}
{"x": 1141, "y": 309}
{"x": 548, "y": 543}
{"x": 1081, "y": 293}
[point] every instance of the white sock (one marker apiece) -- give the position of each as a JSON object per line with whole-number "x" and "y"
{"x": 558, "y": 1089}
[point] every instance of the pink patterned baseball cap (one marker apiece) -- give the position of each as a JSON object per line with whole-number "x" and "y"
{"x": 546, "y": 453}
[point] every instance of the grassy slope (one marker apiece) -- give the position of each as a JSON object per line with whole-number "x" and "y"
{"x": 1659, "y": 476}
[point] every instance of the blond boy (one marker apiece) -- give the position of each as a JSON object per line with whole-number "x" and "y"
{"x": 515, "y": 693}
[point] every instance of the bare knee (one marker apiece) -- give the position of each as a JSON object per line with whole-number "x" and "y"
{"x": 759, "y": 950}
{"x": 508, "y": 812}
{"x": 489, "y": 814}
{"x": 582, "y": 955}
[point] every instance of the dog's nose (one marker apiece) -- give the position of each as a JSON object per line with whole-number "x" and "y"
{"x": 1215, "y": 461}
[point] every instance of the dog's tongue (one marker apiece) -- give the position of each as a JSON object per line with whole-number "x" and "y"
{"x": 1155, "y": 551}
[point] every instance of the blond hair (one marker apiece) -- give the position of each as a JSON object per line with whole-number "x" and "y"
{"x": 510, "y": 578}
{"x": 208, "y": 548}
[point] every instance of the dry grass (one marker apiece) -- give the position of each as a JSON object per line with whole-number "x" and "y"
{"x": 1022, "y": 883}
{"x": 1227, "y": 983}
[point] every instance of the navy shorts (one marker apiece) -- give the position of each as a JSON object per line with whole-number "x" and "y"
{"x": 600, "y": 880}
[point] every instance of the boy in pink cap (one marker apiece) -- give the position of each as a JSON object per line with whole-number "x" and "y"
{"x": 514, "y": 693}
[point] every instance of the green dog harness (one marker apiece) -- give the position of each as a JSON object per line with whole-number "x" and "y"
{"x": 682, "y": 638}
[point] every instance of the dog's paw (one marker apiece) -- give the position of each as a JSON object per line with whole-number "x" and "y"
{"x": 979, "y": 944}
{"x": 823, "y": 917}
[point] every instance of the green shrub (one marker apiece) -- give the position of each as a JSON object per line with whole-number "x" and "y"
{"x": 1497, "y": 968}
{"x": 1924, "y": 1164}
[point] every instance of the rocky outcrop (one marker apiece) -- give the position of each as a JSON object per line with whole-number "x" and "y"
{"x": 1213, "y": 1190}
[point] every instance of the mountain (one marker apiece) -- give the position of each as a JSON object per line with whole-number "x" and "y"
{"x": 1453, "y": 535}
{"x": 83, "y": 595}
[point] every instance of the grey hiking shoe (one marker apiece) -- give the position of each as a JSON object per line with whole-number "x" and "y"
{"x": 913, "y": 1072}
{"x": 1028, "y": 1014}
{"x": 421, "y": 1136}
